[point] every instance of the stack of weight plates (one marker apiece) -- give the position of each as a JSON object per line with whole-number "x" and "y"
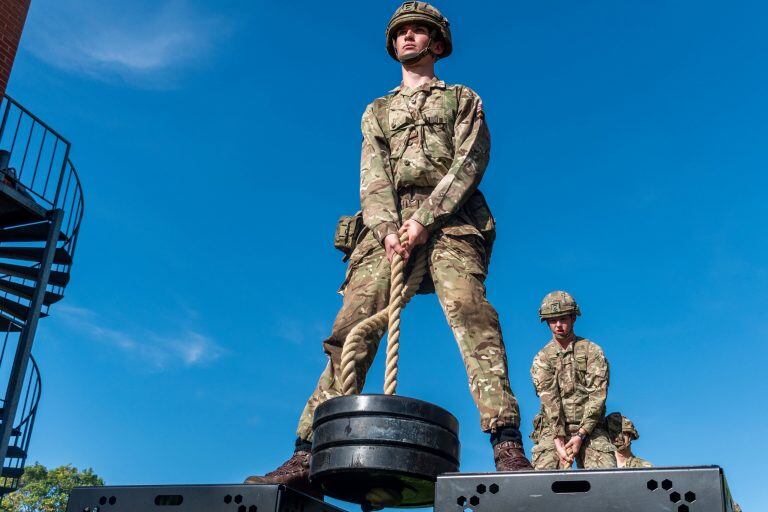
{"x": 382, "y": 445}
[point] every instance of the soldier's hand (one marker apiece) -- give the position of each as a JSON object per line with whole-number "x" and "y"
{"x": 573, "y": 446}
{"x": 392, "y": 246}
{"x": 417, "y": 234}
{"x": 566, "y": 458}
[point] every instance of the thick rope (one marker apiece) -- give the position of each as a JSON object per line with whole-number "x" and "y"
{"x": 399, "y": 295}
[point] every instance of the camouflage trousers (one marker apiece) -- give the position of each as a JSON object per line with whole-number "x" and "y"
{"x": 597, "y": 451}
{"x": 457, "y": 265}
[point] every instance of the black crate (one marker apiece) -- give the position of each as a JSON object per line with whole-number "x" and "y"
{"x": 194, "y": 498}
{"x": 695, "y": 489}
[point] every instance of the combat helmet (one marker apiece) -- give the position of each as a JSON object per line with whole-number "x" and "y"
{"x": 419, "y": 12}
{"x": 617, "y": 425}
{"x": 557, "y": 304}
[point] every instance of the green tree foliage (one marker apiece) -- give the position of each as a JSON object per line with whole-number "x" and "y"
{"x": 47, "y": 490}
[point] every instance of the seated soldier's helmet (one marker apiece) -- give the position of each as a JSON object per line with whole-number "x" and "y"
{"x": 616, "y": 424}
{"x": 419, "y": 12}
{"x": 557, "y": 304}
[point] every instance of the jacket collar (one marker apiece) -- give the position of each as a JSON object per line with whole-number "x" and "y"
{"x": 434, "y": 83}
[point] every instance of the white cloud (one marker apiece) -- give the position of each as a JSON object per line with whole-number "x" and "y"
{"x": 162, "y": 351}
{"x": 143, "y": 43}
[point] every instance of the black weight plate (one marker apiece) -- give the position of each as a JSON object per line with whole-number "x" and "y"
{"x": 350, "y": 472}
{"x": 389, "y": 431}
{"x": 385, "y": 405}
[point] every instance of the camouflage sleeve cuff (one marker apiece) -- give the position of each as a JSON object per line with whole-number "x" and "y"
{"x": 559, "y": 431}
{"x": 588, "y": 426}
{"x": 424, "y": 217}
{"x": 381, "y": 231}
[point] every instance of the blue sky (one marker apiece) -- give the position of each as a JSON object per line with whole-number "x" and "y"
{"x": 218, "y": 143}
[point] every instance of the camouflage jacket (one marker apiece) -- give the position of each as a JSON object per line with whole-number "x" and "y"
{"x": 572, "y": 385}
{"x": 637, "y": 462}
{"x": 433, "y": 138}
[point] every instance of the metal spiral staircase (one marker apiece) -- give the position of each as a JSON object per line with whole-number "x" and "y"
{"x": 41, "y": 207}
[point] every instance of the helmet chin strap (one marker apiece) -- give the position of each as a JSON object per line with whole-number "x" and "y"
{"x": 409, "y": 59}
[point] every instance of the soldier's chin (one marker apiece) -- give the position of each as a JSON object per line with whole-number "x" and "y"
{"x": 561, "y": 336}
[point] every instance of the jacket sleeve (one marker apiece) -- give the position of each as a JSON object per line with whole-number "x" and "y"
{"x": 472, "y": 148}
{"x": 377, "y": 190}
{"x": 545, "y": 382}
{"x": 596, "y": 379}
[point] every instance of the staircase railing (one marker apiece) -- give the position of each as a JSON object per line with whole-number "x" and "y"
{"x": 22, "y": 430}
{"x": 39, "y": 158}
{"x": 34, "y": 160}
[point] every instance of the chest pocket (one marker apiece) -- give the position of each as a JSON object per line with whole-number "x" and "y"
{"x": 438, "y": 134}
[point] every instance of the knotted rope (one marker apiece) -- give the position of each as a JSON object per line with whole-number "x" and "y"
{"x": 399, "y": 295}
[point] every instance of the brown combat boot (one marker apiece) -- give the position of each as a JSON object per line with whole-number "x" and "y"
{"x": 293, "y": 473}
{"x": 510, "y": 456}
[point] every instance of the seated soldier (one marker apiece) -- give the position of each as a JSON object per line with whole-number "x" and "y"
{"x": 622, "y": 432}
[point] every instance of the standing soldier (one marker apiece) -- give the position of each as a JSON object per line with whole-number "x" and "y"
{"x": 571, "y": 377}
{"x": 622, "y": 432}
{"x": 425, "y": 149}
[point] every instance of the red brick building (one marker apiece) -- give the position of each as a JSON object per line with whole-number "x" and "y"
{"x": 13, "y": 14}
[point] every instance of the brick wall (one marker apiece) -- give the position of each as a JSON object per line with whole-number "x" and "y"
{"x": 13, "y": 13}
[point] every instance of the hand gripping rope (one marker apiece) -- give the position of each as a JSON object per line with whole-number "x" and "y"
{"x": 399, "y": 295}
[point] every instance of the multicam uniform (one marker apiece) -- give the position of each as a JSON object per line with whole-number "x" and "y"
{"x": 621, "y": 432}
{"x": 573, "y": 385}
{"x": 423, "y": 155}
{"x": 637, "y": 462}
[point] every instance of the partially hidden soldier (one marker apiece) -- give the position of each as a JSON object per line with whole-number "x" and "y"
{"x": 571, "y": 376}
{"x": 425, "y": 148}
{"x": 622, "y": 432}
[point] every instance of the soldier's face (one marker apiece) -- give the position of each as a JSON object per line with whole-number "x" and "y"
{"x": 561, "y": 326}
{"x": 413, "y": 38}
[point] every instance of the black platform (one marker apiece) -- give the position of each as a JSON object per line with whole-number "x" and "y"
{"x": 694, "y": 489}
{"x": 194, "y": 498}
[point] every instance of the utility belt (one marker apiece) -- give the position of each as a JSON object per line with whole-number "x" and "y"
{"x": 350, "y": 228}
{"x": 475, "y": 212}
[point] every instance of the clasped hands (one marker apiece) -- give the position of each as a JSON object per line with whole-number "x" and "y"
{"x": 417, "y": 235}
{"x": 568, "y": 450}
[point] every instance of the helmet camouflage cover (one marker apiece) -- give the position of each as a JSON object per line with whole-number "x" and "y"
{"x": 423, "y": 13}
{"x": 557, "y": 304}
{"x": 618, "y": 425}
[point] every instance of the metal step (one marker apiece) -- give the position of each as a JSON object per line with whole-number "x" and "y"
{"x": 14, "y": 452}
{"x": 56, "y": 278}
{"x": 35, "y": 254}
{"x": 29, "y": 233}
{"x": 16, "y": 208}
{"x": 25, "y": 291}
{"x": 16, "y": 309}
{"x": 12, "y": 472}
{"x": 8, "y": 325}
{"x": 7, "y": 490}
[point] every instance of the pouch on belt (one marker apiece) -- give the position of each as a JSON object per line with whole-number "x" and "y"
{"x": 348, "y": 231}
